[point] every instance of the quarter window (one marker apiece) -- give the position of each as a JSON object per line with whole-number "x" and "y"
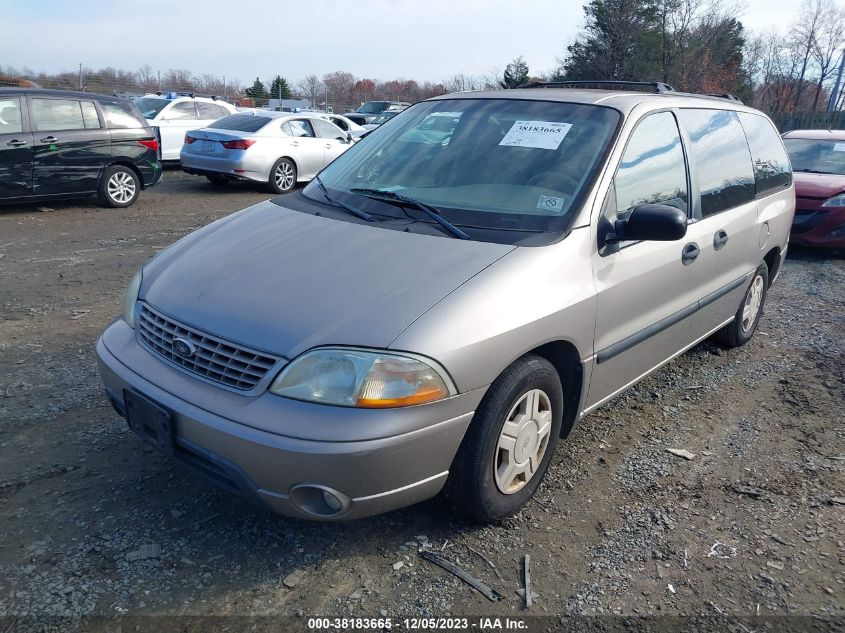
{"x": 119, "y": 115}
{"x": 720, "y": 159}
{"x": 10, "y": 116}
{"x": 652, "y": 169}
{"x": 182, "y": 110}
{"x": 210, "y": 110}
{"x": 57, "y": 114}
{"x": 772, "y": 170}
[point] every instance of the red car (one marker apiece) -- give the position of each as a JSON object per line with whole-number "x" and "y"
{"x": 818, "y": 164}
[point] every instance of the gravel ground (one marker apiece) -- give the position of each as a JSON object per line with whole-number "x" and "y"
{"x": 96, "y": 525}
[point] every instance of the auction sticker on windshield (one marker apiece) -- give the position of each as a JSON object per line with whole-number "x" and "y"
{"x": 539, "y": 134}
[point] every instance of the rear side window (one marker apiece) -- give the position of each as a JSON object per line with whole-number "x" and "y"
{"x": 57, "y": 114}
{"x": 184, "y": 110}
{"x": 10, "y": 116}
{"x": 299, "y": 127}
{"x": 340, "y": 123}
{"x": 121, "y": 115}
{"x": 652, "y": 169}
{"x": 89, "y": 115}
{"x": 720, "y": 159}
{"x": 241, "y": 123}
{"x": 327, "y": 130}
{"x": 772, "y": 170}
{"x": 210, "y": 110}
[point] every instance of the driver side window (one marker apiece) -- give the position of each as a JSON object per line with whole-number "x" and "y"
{"x": 652, "y": 169}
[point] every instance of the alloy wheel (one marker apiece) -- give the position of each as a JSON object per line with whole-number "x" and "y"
{"x": 284, "y": 176}
{"x": 121, "y": 187}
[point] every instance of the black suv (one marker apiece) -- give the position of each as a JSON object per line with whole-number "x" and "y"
{"x": 60, "y": 144}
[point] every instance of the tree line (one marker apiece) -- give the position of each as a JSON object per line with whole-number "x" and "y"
{"x": 694, "y": 45}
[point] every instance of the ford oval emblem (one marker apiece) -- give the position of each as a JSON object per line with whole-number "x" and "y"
{"x": 184, "y": 349}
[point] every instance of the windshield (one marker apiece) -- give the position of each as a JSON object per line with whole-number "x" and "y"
{"x": 824, "y": 157}
{"x": 374, "y": 107}
{"x": 241, "y": 122}
{"x": 150, "y": 106}
{"x": 495, "y": 165}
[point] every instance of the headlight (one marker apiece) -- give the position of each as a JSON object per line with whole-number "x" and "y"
{"x": 836, "y": 201}
{"x": 131, "y": 298}
{"x": 361, "y": 378}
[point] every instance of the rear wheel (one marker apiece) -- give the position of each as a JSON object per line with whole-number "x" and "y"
{"x": 217, "y": 180}
{"x": 739, "y": 331}
{"x": 509, "y": 444}
{"x": 119, "y": 187}
{"x": 282, "y": 176}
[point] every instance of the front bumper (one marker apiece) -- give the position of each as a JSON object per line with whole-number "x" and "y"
{"x": 815, "y": 227}
{"x": 370, "y": 475}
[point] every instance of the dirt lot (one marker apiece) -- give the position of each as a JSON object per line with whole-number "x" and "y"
{"x": 752, "y": 526}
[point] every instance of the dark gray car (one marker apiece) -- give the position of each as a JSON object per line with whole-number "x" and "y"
{"x": 451, "y": 295}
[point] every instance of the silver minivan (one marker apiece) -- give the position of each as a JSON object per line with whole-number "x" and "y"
{"x": 450, "y": 296}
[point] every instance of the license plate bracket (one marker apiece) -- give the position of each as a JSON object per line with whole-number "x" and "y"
{"x": 149, "y": 420}
{"x": 207, "y": 146}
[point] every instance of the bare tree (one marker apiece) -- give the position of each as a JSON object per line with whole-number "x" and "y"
{"x": 310, "y": 87}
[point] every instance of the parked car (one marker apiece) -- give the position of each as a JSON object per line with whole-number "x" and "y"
{"x": 368, "y": 111}
{"x": 276, "y": 148}
{"x": 56, "y": 144}
{"x": 172, "y": 114}
{"x": 382, "y": 118}
{"x": 427, "y": 315}
{"x": 346, "y": 124}
{"x": 818, "y": 163}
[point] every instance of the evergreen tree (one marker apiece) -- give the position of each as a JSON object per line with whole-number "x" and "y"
{"x": 279, "y": 88}
{"x": 257, "y": 90}
{"x": 516, "y": 73}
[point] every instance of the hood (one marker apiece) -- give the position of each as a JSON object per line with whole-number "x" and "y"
{"x": 809, "y": 185}
{"x": 283, "y": 281}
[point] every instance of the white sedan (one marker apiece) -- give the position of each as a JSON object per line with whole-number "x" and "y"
{"x": 275, "y": 148}
{"x": 346, "y": 125}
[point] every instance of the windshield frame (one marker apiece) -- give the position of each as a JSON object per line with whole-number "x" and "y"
{"x": 528, "y": 237}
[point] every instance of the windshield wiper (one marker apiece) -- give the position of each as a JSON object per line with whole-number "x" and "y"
{"x": 814, "y": 171}
{"x": 348, "y": 207}
{"x": 431, "y": 212}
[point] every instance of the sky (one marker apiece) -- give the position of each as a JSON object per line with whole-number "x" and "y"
{"x": 380, "y": 39}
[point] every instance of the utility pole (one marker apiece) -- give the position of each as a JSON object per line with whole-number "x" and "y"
{"x": 225, "y": 91}
{"x": 80, "y": 76}
{"x": 159, "y": 80}
{"x": 831, "y": 103}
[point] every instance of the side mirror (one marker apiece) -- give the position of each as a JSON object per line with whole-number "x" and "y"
{"x": 653, "y": 222}
{"x": 349, "y": 138}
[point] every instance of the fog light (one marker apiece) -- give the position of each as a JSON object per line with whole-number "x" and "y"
{"x": 332, "y": 501}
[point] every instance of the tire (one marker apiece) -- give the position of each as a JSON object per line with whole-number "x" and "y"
{"x": 282, "y": 176}
{"x": 119, "y": 187}
{"x": 478, "y": 484}
{"x": 739, "y": 331}
{"x": 217, "y": 180}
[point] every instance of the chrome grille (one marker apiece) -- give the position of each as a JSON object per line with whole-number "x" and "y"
{"x": 214, "y": 358}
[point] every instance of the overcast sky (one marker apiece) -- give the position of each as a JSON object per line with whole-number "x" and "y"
{"x": 382, "y": 39}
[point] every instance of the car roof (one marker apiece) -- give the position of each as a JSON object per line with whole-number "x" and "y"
{"x": 52, "y": 92}
{"x": 624, "y": 100}
{"x": 178, "y": 97}
{"x": 817, "y": 135}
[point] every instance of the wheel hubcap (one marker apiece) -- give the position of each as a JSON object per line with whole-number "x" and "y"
{"x": 121, "y": 187}
{"x": 753, "y": 300}
{"x": 284, "y": 176}
{"x": 523, "y": 441}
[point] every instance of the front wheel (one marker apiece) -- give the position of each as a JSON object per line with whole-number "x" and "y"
{"x": 509, "y": 444}
{"x": 739, "y": 331}
{"x": 282, "y": 176}
{"x": 119, "y": 187}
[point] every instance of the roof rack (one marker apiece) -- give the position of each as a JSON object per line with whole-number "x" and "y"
{"x": 604, "y": 84}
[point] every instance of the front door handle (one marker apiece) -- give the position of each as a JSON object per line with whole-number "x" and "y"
{"x": 690, "y": 253}
{"x": 295, "y": 143}
{"x": 16, "y": 143}
{"x": 719, "y": 240}
{"x": 49, "y": 139}
{"x": 329, "y": 146}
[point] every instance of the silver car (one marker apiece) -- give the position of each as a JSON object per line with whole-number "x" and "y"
{"x": 276, "y": 148}
{"x": 447, "y": 299}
